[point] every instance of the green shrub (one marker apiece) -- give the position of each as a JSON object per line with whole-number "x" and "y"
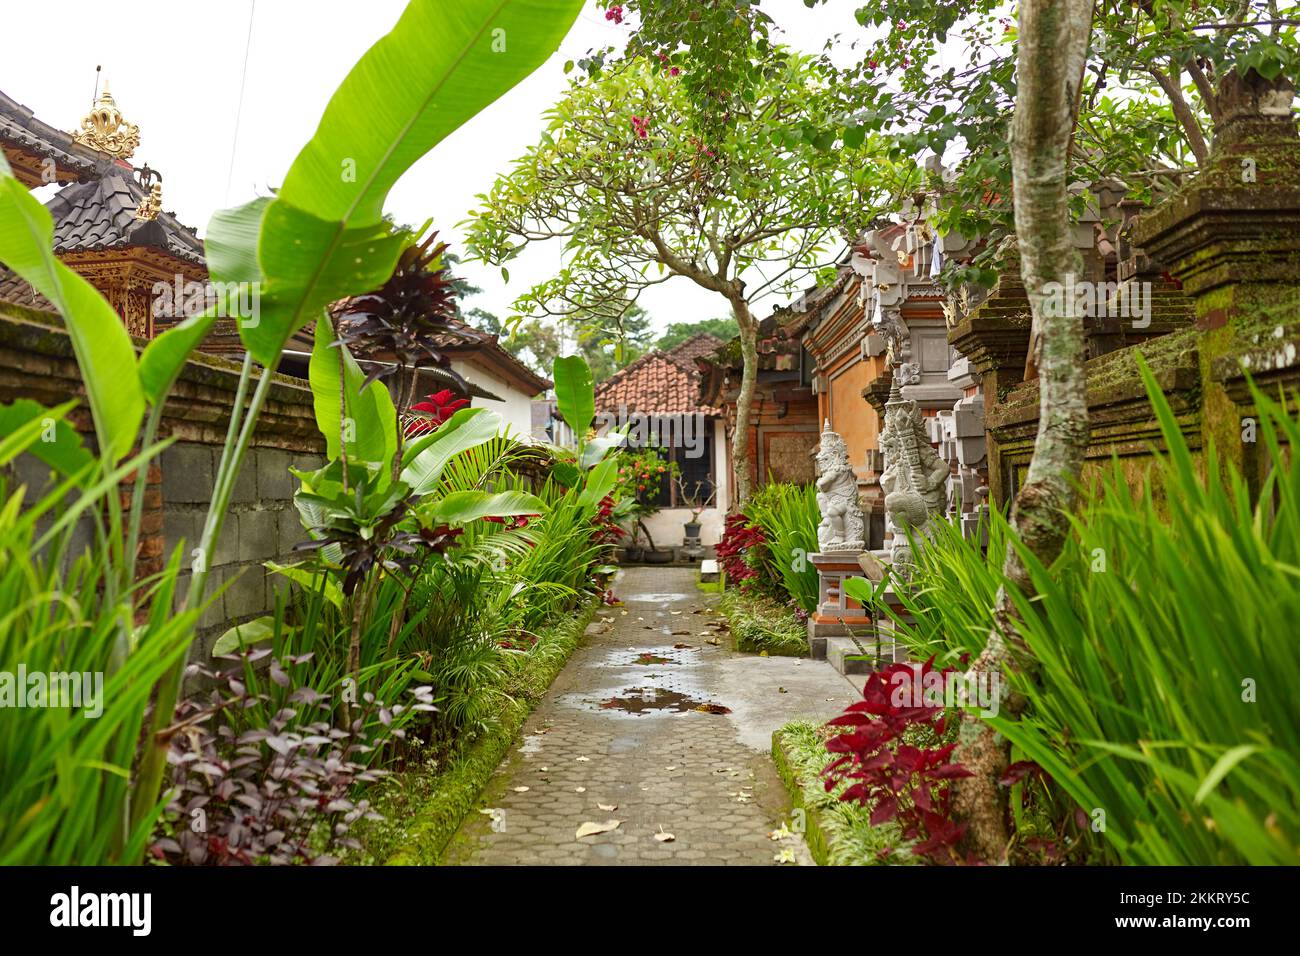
{"x": 788, "y": 517}
{"x": 1162, "y": 650}
{"x": 760, "y": 624}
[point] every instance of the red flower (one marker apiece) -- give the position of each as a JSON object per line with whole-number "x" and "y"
{"x": 436, "y": 409}
{"x": 615, "y": 14}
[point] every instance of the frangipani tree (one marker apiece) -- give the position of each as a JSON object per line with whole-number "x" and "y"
{"x": 623, "y": 177}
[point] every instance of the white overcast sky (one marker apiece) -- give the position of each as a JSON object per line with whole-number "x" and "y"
{"x": 174, "y": 68}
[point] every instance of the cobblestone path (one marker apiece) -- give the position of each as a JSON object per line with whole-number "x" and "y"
{"x": 620, "y": 729}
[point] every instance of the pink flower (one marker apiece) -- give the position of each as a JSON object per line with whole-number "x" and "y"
{"x": 614, "y": 13}
{"x": 674, "y": 71}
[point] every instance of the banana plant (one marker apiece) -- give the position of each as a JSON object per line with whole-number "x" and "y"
{"x": 321, "y": 238}
{"x": 324, "y": 235}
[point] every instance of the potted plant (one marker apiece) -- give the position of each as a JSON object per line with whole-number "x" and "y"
{"x": 641, "y": 474}
{"x": 696, "y": 501}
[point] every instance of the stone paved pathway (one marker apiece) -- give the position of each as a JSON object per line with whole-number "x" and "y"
{"x": 619, "y": 728}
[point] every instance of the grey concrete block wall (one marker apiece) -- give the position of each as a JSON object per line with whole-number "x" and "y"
{"x": 260, "y": 525}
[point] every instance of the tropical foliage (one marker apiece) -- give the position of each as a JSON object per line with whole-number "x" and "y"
{"x": 321, "y": 239}
{"x": 1161, "y": 731}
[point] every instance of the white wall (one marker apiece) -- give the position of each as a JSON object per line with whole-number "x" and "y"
{"x": 667, "y": 527}
{"x": 516, "y": 409}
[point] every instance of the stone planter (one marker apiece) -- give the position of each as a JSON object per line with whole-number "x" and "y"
{"x": 693, "y": 529}
{"x": 633, "y": 555}
{"x": 658, "y": 557}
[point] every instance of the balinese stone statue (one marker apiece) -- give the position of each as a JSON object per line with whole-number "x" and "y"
{"x": 914, "y": 480}
{"x": 842, "y": 527}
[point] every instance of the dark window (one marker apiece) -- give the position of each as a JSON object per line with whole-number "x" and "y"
{"x": 696, "y": 465}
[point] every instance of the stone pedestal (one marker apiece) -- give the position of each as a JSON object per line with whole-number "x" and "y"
{"x": 888, "y": 649}
{"x": 836, "y": 614}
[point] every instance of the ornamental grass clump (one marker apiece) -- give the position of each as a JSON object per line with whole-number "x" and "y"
{"x": 788, "y": 516}
{"x": 1158, "y": 655}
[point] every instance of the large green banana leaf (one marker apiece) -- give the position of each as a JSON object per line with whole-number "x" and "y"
{"x": 324, "y": 237}
{"x": 99, "y": 339}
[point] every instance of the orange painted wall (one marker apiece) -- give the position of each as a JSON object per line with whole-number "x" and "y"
{"x": 850, "y": 415}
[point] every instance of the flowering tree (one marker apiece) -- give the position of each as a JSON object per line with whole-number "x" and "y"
{"x": 629, "y": 178}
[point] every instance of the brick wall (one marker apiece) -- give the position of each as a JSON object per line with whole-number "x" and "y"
{"x": 36, "y": 362}
{"x": 261, "y": 525}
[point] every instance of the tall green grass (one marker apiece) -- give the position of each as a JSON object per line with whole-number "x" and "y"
{"x": 65, "y": 776}
{"x": 788, "y": 515}
{"x": 1164, "y": 660}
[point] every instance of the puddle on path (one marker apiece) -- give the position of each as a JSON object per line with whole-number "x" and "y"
{"x": 658, "y": 597}
{"x": 651, "y": 656}
{"x": 653, "y": 659}
{"x": 643, "y": 700}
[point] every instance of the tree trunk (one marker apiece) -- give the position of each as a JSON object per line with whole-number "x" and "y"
{"x": 741, "y": 453}
{"x": 1053, "y": 45}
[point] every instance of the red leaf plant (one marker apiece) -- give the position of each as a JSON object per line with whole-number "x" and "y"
{"x": 433, "y": 412}
{"x": 737, "y": 539}
{"x": 901, "y": 781}
{"x": 607, "y": 529}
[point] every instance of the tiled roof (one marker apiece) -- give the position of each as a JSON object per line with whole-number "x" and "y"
{"x": 15, "y": 289}
{"x": 463, "y": 339}
{"x": 655, "y": 384}
{"x": 700, "y": 345}
{"x": 100, "y": 214}
{"x": 19, "y": 128}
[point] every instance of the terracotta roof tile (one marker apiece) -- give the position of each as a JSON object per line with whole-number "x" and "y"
{"x": 655, "y": 384}
{"x": 700, "y": 345}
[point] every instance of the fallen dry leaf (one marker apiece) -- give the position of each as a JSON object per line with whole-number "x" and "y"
{"x": 673, "y": 767}
{"x": 519, "y": 789}
{"x": 681, "y": 647}
{"x": 591, "y": 829}
{"x": 714, "y": 641}
{"x": 680, "y": 634}
{"x": 583, "y": 759}
{"x": 664, "y": 837}
{"x": 713, "y": 709}
{"x": 579, "y": 789}
{"x": 608, "y": 807}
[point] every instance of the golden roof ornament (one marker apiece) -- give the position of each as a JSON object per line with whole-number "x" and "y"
{"x": 150, "y": 205}
{"x": 104, "y": 129}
